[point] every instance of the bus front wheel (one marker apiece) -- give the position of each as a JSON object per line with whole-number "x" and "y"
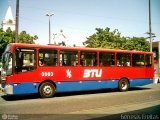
{"x": 47, "y": 90}
{"x": 123, "y": 85}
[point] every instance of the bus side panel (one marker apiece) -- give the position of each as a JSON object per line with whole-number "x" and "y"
{"x": 140, "y": 82}
{"x": 85, "y": 85}
{"x": 92, "y": 73}
{"x": 78, "y": 78}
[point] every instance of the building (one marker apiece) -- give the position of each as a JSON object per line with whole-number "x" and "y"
{"x": 8, "y": 21}
{"x": 156, "y": 50}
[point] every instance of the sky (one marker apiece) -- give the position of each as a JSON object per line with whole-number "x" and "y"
{"x": 79, "y": 18}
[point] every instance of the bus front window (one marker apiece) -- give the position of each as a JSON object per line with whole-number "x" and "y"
{"x": 6, "y": 64}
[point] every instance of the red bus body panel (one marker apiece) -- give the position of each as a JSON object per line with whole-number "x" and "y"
{"x": 76, "y": 74}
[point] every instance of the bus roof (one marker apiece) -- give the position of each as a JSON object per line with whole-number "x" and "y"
{"x": 53, "y": 46}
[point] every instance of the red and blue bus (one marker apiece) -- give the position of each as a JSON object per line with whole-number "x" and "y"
{"x": 49, "y": 69}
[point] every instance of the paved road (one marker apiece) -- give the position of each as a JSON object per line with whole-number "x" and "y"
{"x": 137, "y": 102}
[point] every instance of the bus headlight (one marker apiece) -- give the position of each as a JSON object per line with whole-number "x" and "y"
{"x": 3, "y": 75}
{"x": 3, "y": 78}
{"x": 8, "y": 89}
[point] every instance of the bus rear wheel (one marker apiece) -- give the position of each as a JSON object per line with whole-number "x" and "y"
{"x": 123, "y": 85}
{"x": 47, "y": 90}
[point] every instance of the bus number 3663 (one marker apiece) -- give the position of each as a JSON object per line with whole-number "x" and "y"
{"x": 47, "y": 74}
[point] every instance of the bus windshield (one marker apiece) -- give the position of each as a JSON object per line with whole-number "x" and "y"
{"x": 7, "y": 62}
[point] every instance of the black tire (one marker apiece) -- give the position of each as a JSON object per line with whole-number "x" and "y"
{"x": 47, "y": 90}
{"x": 123, "y": 85}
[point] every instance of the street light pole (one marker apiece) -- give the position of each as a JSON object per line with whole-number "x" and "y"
{"x": 49, "y": 15}
{"x": 150, "y": 29}
{"x": 17, "y": 20}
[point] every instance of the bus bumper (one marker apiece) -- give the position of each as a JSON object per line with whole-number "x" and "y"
{"x": 8, "y": 89}
{"x": 20, "y": 88}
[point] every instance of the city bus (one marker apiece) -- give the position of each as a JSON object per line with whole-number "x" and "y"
{"x": 50, "y": 69}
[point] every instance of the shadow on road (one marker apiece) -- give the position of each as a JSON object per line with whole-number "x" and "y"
{"x": 20, "y": 97}
{"x": 150, "y": 113}
{"x": 37, "y": 96}
{"x": 138, "y": 88}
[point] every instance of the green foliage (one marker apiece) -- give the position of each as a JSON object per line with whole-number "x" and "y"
{"x": 26, "y": 38}
{"x": 8, "y": 36}
{"x": 104, "y": 38}
{"x": 137, "y": 43}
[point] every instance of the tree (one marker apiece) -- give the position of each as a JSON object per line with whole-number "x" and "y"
{"x": 26, "y": 38}
{"x": 105, "y": 38}
{"x": 8, "y": 36}
{"x": 137, "y": 43}
{"x": 5, "y": 38}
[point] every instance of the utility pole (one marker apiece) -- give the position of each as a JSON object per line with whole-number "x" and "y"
{"x": 49, "y": 15}
{"x": 17, "y": 21}
{"x": 150, "y": 29}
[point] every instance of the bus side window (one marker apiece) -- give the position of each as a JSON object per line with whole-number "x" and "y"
{"x": 148, "y": 60}
{"x": 88, "y": 58}
{"x": 107, "y": 59}
{"x": 25, "y": 59}
{"x": 123, "y": 59}
{"x": 47, "y": 57}
{"x": 137, "y": 59}
{"x": 68, "y": 58}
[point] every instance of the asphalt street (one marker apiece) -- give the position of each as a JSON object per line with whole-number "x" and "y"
{"x": 140, "y": 102}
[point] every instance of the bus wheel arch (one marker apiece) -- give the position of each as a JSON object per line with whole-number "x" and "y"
{"x": 47, "y": 89}
{"x": 123, "y": 84}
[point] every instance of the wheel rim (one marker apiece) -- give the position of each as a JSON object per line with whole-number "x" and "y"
{"x": 124, "y": 85}
{"x": 47, "y": 90}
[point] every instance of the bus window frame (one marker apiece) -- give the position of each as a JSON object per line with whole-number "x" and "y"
{"x": 14, "y": 59}
{"x": 140, "y": 66}
{"x": 52, "y": 49}
{"x": 77, "y": 53}
{"x": 146, "y": 60}
{"x": 99, "y": 60}
{"x": 90, "y": 51}
{"x": 130, "y": 62}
